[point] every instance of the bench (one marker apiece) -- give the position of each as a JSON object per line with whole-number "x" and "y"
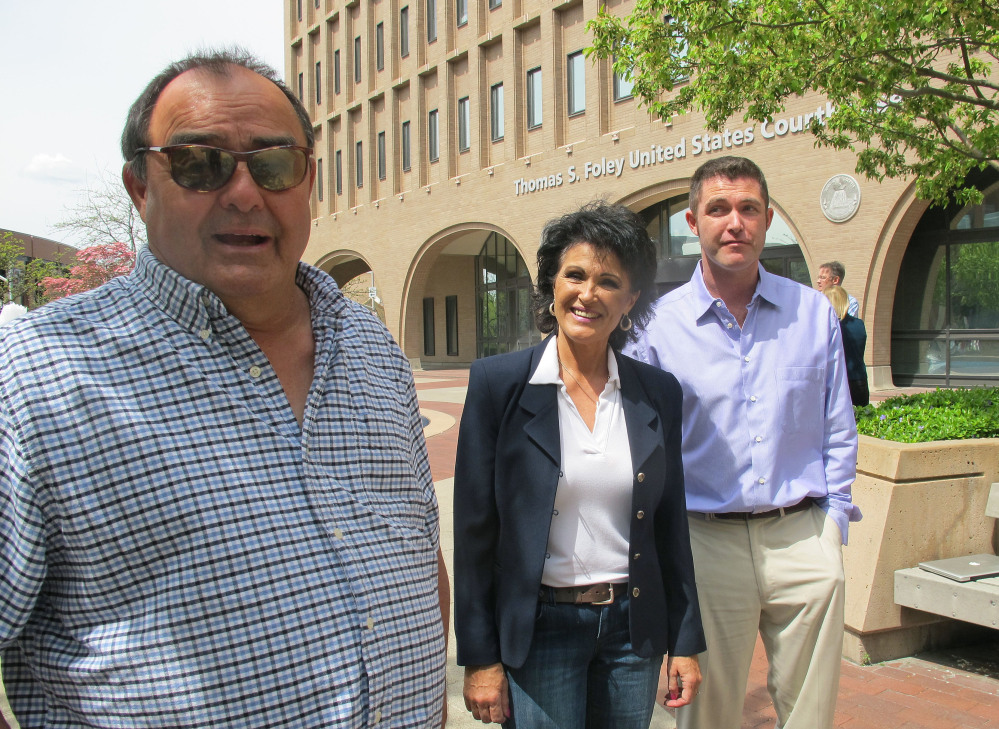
{"x": 976, "y": 601}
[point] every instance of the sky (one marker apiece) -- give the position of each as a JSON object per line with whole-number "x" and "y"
{"x": 72, "y": 69}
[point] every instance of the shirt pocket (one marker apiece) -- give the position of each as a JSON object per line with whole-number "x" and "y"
{"x": 799, "y": 391}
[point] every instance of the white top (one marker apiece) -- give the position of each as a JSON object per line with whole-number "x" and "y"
{"x": 590, "y": 528}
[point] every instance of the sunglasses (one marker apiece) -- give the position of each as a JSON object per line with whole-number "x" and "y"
{"x": 203, "y": 169}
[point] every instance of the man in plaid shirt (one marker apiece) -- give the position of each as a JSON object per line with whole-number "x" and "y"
{"x": 216, "y": 507}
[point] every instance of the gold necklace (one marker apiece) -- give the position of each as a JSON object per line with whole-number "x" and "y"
{"x": 578, "y": 383}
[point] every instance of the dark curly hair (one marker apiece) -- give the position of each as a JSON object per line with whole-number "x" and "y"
{"x": 610, "y": 229}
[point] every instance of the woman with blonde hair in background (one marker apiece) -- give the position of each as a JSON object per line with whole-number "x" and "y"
{"x": 854, "y": 342}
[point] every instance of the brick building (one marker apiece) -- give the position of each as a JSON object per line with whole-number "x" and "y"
{"x": 37, "y": 247}
{"x": 449, "y": 131}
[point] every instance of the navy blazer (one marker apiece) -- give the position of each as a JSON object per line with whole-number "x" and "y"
{"x": 506, "y": 474}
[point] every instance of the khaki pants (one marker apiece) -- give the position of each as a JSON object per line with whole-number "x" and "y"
{"x": 781, "y": 578}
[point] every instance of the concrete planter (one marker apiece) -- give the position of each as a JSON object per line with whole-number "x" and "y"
{"x": 920, "y": 501}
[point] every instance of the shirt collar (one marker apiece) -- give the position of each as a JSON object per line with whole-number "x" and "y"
{"x": 187, "y": 301}
{"x": 547, "y": 370}
{"x": 766, "y": 289}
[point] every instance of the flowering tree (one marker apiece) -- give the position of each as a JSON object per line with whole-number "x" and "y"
{"x": 95, "y": 265}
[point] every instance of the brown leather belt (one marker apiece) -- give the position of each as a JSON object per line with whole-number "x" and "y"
{"x": 601, "y": 593}
{"x": 802, "y": 505}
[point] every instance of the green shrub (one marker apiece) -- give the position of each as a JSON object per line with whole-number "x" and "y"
{"x": 937, "y": 415}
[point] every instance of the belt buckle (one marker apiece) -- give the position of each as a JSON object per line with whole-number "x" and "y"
{"x": 609, "y": 600}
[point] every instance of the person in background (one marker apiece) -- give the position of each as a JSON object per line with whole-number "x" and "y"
{"x": 854, "y": 342}
{"x": 573, "y": 571}
{"x": 769, "y": 457}
{"x": 217, "y": 507}
{"x": 832, "y": 274}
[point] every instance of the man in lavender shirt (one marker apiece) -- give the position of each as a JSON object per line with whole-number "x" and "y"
{"x": 769, "y": 456}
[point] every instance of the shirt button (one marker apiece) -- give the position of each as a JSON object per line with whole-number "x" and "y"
{"x": 640, "y": 515}
{"x": 747, "y": 358}
{"x": 718, "y": 304}
{"x": 637, "y": 555}
{"x": 759, "y": 439}
{"x": 635, "y": 592}
{"x": 752, "y": 398}
{"x": 554, "y": 512}
{"x": 763, "y": 480}
{"x": 728, "y": 325}
{"x": 378, "y": 716}
{"x": 371, "y": 623}
{"x": 205, "y": 333}
{"x": 640, "y": 477}
{"x": 255, "y": 371}
{"x": 338, "y": 533}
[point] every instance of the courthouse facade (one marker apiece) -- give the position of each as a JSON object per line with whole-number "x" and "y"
{"x": 449, "y": 131}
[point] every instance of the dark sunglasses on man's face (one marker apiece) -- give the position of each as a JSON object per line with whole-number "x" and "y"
{"x": 203, "y": 169}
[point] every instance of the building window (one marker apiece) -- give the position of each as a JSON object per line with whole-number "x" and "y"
{"x": 317, "y": 4}
{"x": 493, "y": 4}
{"x": 431, "y": 21}
{"x": 381, "y": 155}
{"x": 300, "y": 10}
{"x": 319, "y": 82}
{"x": 336, "y": 71}
{"x": 380, "y": 46}
{"x": 338, "y": 172}
{"x": 428, "y": 327}
{"x": 576, "y": 77}
{"x": 359, "y": 160}
{"x": 496, "y": 111}
{"x": 407, "y": 153}
{"x": 433, "y": 141}
{"x": 461, "y": 12}
{"x": 319, "y": 179}
{"x": 503, "y": 312}
{"x": 451, "y": 324}
{"x": 357, "y": 60}
{"x": 623, "y": 85}
{"x": 404, "y": 32}
{"x": 945, "y": 321}
{"x": 464, "y": 124}
{"x": 301, "y": 87}
{"x": 534, "y": 98}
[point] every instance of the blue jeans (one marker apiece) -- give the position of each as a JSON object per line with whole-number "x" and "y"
{"x": 581, "y": 673}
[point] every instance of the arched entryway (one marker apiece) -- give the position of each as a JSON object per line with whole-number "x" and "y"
{"x": 355, "y": 277}
{"x": 467, "y": 296}
{"x": 945, "y": 319}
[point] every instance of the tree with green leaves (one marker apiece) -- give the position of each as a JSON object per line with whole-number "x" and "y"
{"x": 913, "y": 83}
{"x": 24, "y": 276}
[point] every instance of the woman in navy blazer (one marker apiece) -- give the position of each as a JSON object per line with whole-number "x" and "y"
{"x": 568, "y": 467}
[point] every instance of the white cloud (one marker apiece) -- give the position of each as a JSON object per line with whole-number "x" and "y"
{"x": 54, "y": 168}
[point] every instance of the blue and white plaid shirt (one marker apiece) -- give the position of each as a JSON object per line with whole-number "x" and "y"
{"x": 178, "y": 552}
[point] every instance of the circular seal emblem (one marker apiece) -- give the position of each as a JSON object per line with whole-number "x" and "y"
{"x": 840, "y": 198}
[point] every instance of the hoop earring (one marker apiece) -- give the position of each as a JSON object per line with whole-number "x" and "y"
{"x": 551, "y": 308}
{"x": 625, "y": 327}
